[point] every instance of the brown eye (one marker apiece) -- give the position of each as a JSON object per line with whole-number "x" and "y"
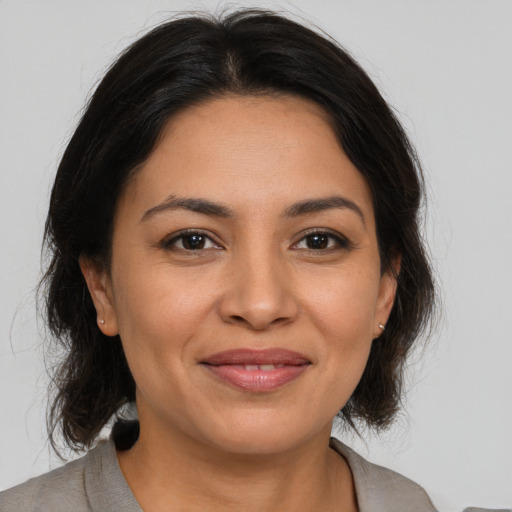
{"x": 193, "y": 241}
{"x": 321, "y": 240}
{"x": 317, "y": 241}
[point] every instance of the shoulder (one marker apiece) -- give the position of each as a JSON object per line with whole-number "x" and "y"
{"x": 91, "y": 483}
{"x": 60, "y": 489}
{"x": 478, "y": 509}
{"x": 381, "y": 489}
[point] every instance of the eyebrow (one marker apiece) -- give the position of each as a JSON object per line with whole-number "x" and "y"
{"x": 321, "y": 204}
{"x": 197, "y": 205}
{"x": 211, "y": 208}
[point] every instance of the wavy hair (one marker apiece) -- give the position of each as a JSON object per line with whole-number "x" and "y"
{"x": 184, "y": 62}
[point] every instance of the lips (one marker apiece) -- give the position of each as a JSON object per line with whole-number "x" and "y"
{"x": 257, "y": 370}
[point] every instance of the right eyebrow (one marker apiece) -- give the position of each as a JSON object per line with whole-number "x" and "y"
{"x": 192, "y": 204}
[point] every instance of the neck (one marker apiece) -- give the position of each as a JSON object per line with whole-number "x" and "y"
{"x": 184, "y": 474}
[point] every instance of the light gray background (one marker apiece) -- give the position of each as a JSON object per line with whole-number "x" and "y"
{"x": 446, "y": 66}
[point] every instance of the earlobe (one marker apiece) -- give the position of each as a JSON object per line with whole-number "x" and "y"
{"x": 386, "y": 298}
{"x": 98, "y": 284}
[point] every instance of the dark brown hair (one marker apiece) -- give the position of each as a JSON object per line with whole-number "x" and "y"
{"x": 178, "y": 64}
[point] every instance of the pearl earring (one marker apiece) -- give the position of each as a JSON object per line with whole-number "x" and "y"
{"x": 102, "y": 322}
{"x": 382, "y": 327}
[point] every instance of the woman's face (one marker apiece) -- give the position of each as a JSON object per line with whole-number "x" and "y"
{"x": 245, "y": 281}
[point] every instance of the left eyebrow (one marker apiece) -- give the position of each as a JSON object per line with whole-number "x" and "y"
{"x": 321, "y": 204}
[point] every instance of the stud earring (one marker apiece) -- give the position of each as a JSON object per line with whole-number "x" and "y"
{"x": 102, "y": 322}
{"x": 382, "y": 327}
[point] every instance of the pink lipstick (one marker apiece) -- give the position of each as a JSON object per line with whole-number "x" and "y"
{"x": 257, "y": 370}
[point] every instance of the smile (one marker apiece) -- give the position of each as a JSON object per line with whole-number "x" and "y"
{"x": 257, "y": 370}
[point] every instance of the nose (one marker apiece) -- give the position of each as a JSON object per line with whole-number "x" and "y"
{"x": 259, "y": 293}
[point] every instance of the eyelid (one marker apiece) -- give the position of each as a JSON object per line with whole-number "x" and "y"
{"x": 169, "y": 240}
{"x": 342, "y": 241}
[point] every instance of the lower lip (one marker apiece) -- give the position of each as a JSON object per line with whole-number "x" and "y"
{"x": 256, "y": 380}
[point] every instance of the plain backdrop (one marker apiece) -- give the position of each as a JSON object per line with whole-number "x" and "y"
{"x": 446, "y": 67}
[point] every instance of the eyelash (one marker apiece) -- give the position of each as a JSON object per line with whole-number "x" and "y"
{"x": 340, "y": 242}
{"x": 171, "y": 243}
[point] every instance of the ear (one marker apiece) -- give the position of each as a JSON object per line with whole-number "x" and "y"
{"x": 98, "y": 283}
{"x": 386, "y": 297}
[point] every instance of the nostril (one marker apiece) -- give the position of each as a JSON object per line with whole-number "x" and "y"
{"x": 280, "y": 320}
{"x": 240, "y": 319}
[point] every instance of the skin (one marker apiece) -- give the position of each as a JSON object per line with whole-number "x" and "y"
{"x": 257, "y": 282}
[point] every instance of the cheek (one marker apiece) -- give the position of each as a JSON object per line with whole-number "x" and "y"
{"x": 158, "y": 320}
{"x": 342, "y": 312}
{"x": 344, "y": 305}
{"x": 158, "y": 313}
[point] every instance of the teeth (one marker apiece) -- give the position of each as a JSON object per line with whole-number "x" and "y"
{"x": 262, "y": 367}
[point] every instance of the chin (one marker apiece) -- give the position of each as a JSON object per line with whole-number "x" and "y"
{"x": 256, "y": 435}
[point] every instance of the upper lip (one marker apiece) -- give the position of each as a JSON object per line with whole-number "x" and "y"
{"x": 247, "y": 356}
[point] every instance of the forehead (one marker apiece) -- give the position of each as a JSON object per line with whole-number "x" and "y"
{"x": 259, "y": 151}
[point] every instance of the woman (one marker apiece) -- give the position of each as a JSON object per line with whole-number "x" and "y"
{"x": 234, "y": 231}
